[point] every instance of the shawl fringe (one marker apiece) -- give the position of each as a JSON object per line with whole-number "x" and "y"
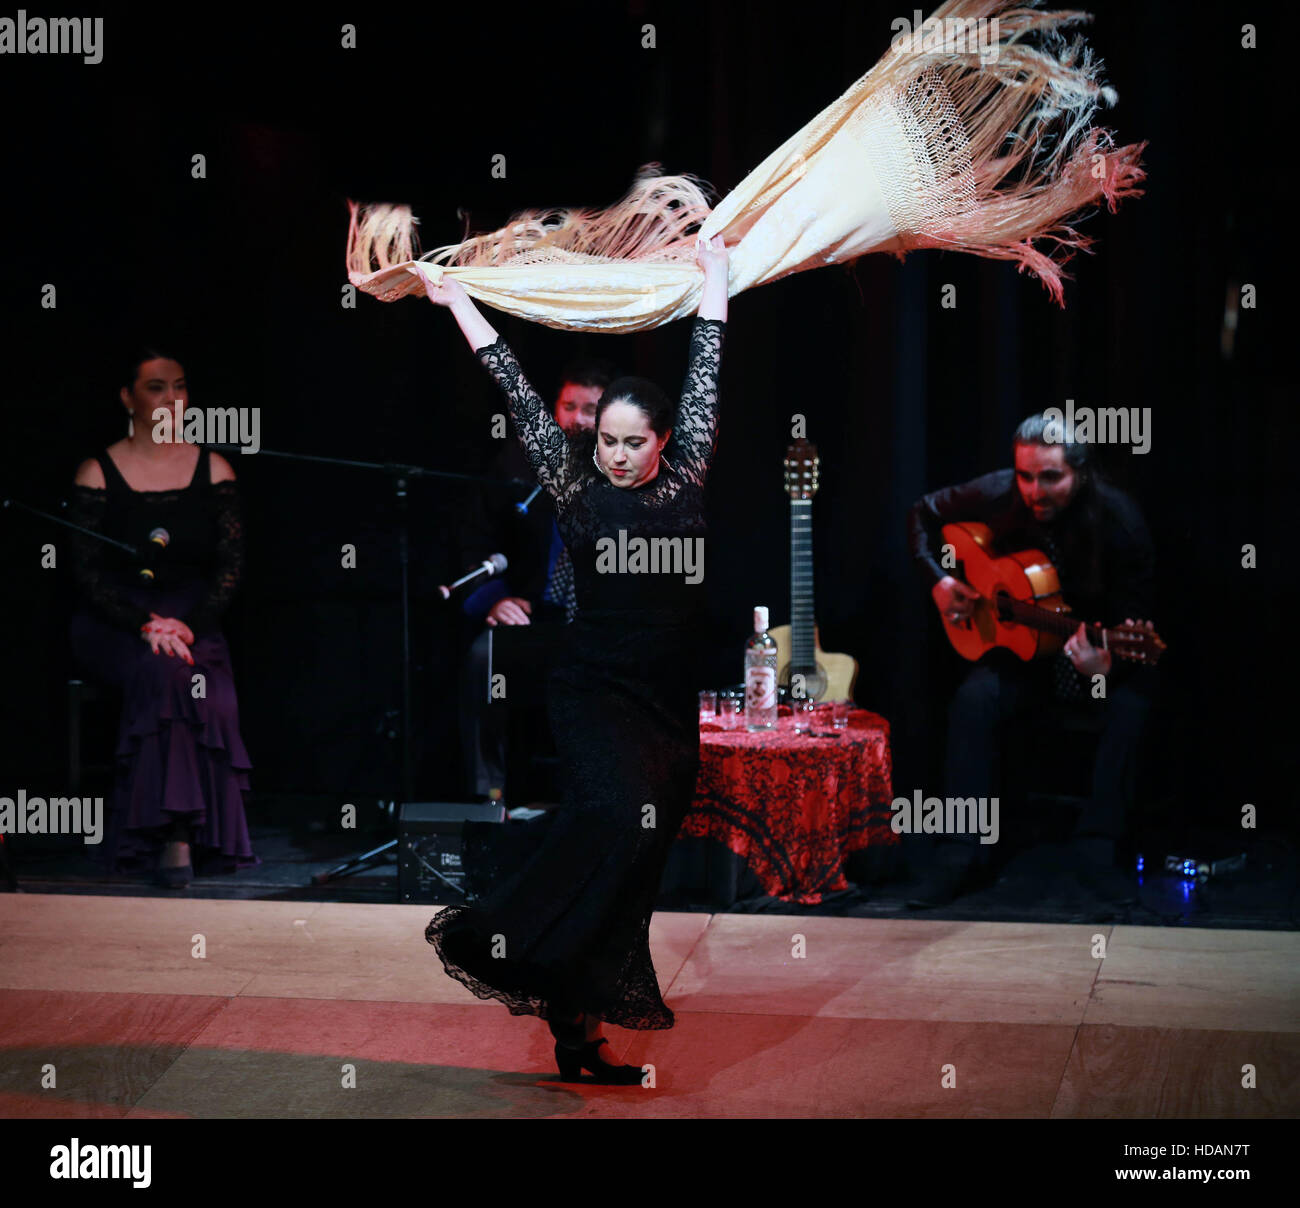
{"x": 987, "y": 149}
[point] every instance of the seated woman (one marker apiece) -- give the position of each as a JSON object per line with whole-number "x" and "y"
{"x": 151, "y": 627}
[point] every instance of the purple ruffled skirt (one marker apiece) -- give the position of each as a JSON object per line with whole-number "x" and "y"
{"x": 179, "y": 751}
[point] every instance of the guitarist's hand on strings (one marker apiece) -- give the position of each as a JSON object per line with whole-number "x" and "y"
{"x": 955, "y": 600}
{"x": 1087, "y": 658}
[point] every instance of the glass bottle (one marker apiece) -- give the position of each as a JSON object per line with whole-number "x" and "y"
{"x": 760, "y": 676}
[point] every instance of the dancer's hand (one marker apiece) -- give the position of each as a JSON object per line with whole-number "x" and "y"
{"x": 711, "y": 255}
{"x": 513, "y": 610}
{"x": 451, "y": 294}
{"x": 446, "y": 292}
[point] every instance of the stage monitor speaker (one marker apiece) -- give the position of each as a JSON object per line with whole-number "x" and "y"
{"x": 429, "y": 843}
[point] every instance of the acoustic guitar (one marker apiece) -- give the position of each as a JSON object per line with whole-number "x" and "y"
{"x": 1021, "y": 607}
{"x": 798, "y": 645}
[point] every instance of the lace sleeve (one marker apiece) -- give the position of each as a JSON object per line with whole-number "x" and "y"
{"x": 87, "y": 509}
{"x": 230, "y": 561}
{"x": 543, "y": 440}
{"x": 696, "y": 428}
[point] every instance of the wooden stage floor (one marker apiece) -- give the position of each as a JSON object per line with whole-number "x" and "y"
{"x": 1035, "y": 1020}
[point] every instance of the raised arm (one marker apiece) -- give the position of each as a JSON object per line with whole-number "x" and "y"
{"x": 696, "y": 427}
{"x": 544, "y": 443}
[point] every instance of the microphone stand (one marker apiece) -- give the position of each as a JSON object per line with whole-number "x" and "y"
{"x": 399, "y": 475}
{"x": 135, "y": 550}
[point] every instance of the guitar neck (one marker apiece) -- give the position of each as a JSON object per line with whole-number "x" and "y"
{"x": 802, "y": 644}
{"x": 1062, "y": 623}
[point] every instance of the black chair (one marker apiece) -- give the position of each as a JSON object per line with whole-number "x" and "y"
{"x": 92, "y": 718}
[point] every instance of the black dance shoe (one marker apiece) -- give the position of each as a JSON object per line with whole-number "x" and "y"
{"x": 572, "y": 1061}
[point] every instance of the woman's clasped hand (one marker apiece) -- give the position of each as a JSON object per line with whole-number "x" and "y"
{"x": 170, "y": 636}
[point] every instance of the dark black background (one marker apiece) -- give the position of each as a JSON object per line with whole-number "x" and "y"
{"x": 901, "y": 395}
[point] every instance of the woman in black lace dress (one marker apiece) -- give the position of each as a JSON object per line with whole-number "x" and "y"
{"x": 182, "y": 770}
{"x": 566, "y": 936}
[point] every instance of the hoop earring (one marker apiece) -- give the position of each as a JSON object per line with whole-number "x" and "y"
{"x": 595, "y": 460}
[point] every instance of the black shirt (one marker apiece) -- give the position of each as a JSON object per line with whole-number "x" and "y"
{"x": 1105, "y": 558}
{"x": 205, "y": 544}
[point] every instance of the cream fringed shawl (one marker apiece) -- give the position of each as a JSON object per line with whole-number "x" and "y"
{"x": 938, "y": 146}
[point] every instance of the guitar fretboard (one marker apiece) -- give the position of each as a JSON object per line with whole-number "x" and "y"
{"x": 802, "y": 646}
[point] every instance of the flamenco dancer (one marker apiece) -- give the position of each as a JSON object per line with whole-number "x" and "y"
{"x": 182, "y": 770}
{"x": 566, "y": 936}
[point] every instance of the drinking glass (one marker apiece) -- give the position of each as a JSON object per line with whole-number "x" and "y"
{"x": 708, "y": 706}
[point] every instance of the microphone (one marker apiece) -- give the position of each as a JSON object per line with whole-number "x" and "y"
{"x": 159, "y": 540}
{"x": 522, "y": 508}
{"x": 493, "y": 566}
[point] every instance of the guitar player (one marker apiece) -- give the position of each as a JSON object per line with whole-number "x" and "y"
{"x": 1051, "y": 500}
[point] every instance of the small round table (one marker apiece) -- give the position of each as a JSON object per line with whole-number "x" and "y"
{"x": 794, "y": 805}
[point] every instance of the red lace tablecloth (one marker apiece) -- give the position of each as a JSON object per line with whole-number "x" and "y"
{"x": 793, "y": 806}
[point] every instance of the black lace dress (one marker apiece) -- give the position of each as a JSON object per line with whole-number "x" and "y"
{"x": 179, "y": 750}
{"x": 568, "y": 929}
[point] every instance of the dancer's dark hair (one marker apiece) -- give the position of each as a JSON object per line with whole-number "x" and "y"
{"x": 659, "y": 410}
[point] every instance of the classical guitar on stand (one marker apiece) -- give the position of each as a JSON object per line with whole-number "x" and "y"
{"x": 798, "y": 645}
{"x": 1021, "y": 607}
